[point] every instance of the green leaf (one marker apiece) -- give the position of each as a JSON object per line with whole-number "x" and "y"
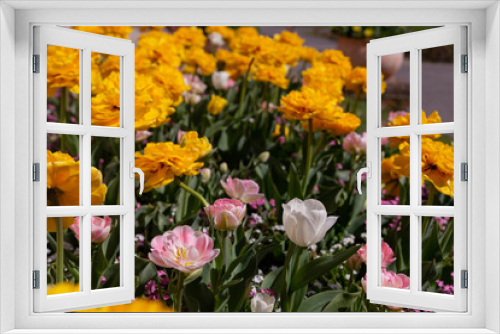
{"x": 341, "y": 300}
{"x": 145, "y": 270}
{"x": 294, "y": 187}
{"x": 199, "y": 293}
{"x": 317, "y": 302}
{"x": 270, "y": 278}
{"x": 319, "y": 267}
{"x": 223, "y": 142}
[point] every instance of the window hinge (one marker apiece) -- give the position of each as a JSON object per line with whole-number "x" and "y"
{"x": 465, "y": 64}
{"x": 36, "y": 279}
{"x": 36, "y": 63}
{"x": 464, "y": 171}
{"x": 36, "y": 172}
{"x": 464, "y": 279}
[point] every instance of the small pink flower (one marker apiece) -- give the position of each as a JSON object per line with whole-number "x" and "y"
{"x": 180, "y": 135}
{"x": 387, "y": 254}
{"x": 390, "y": 279}
{"x": 245, "y": 190}
{"x": 394, "y": 114}
{"x": 99, "y": 228}
{"x": 183, "y": 249}
{"x": 193, "y": 81}
{"x": 142, "y": 135}
{"x": 226, "y": 213}
{"x": 354, "y": 143}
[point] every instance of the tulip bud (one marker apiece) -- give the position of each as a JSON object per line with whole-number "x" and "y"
{"x": 306, "y": 222}
{"x": 142, "y": 135}
{"x": 205, "y": 175}
{"x": 264, "y": 156}
{"x": 220, "y": 80}
{"x": 262, "y": 303}
{"x": 227, "y": 214}
{"x": 191, "y": 98}
{"x": 223, "y": 167}
{"x": 244, "y": 190}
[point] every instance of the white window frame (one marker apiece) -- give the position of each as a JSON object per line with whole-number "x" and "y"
{"x": 414, "y": 43}
{"x": 85, "y": 43}
{"x": 483, "y": 21}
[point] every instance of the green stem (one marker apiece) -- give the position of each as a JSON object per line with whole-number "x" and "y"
{"x": 179, "y": 292}
{"x": 192, "y": 192}
{"x": 300, "y": 250}
{"x": 60, "y": 250}
{"x": 430, "y": 201}
{"x": 355, "y": 104}
{"x": 321, "y": 144}
{"x": 243, "y": 90}
{"x": 284, "y": 293}
{"x": 223, "y": 249}
{"x": 308, "y": 152}
{"x": 63, "y": 114}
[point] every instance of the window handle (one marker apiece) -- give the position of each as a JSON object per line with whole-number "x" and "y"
{"x": 368, "y": 171}
{"x": 134, "y": 170}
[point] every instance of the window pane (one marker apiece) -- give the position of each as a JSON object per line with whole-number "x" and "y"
{"x": 105, "y": 78}
{"x": 105, "y": 251}
{"x": 395, "y": 171}
{"x": 395, "y": 252}
{"x": 63, "y": 84}
{"x": 395, "y": 89}
{"x": 105, "y": 176}
{"x": 63, "y": 258}
{"x": 438, "y": 169}
{"x": 63, "y": 170}
{"x": 437, "y": 255}
{"x": 437, "y": 82}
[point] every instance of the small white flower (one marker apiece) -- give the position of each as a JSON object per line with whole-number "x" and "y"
{"x": 262, "y": 303}
{"x": 306, "y": 222}
{"x": 264, "y": 156}
{"x": 216, "y": 39}
{"x": 256, "y": 218}
{"x": 192, "y": 98}
{"x": 205, "y": 175}
{"x": 223, "y": 167}
{"x": 220, "y": 80}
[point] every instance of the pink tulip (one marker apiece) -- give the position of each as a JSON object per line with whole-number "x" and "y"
{"x": 227, "y": 214}
{"x": 354, "y": 143}
{"x": 387, "y": 254}
{"x": 194, "y": 81}
{"x": 394, "y": 114}
{"x": 183, "y": 249}
{"x": 245, "y": 190}
{"x": 390, "y": 279}
{"x": 99, "y": 228}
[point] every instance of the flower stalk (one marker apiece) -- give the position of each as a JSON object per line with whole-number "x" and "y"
{"x": 63, "y": 114}
{"x": 60, "y": 250}
{"x": 192, "y": 192}
{"x": 309, "y": 154}
{"x": 244, "y": 89}
{"x": 179, "y": 292}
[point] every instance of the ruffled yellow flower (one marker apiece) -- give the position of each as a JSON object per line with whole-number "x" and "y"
{"x": 197, "y": 58}
{"x": 390, "y": 175}
{"x": 62, "y": 287}
{"x": 172, "y": 81}
{"x": 157, "y": 48}
{"x": 63, "y": 69}
{"x": 251, "y": 45}
{"x": 136, "y": 306}
{"x": 272, "y": 74}
{"x": 327, "y": 78}
{"x": 105, "y": 106}
{"x": 234, "y": 63}
{"x": 247, "y": 31}
{"x": 162, "y": 162}
{"x": 308, "y": 54}
{"x": 190, "y": 37}
{"x": 153, "y": 106}
{"x": 304, "y": 104}
{"x": 278, "y": 54}
{"x": 437, "y": 164}
{"x": 335, "y": 120}
{"x": 63, "y": 185}
{"x": 227, "y": 33}
{"x": 356, "y": 82}
{"x": 401, "y": 120}
{"x": 336, "y": 57}
{"x": 288, "y": 37}
{"x": 119, "y": 32}
{"x": 216, "y": 104}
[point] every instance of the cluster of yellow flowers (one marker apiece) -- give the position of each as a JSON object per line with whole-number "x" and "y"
{"x": 323, "y": 91}
{"x": 437, "y": 159}
{"x": 63, "y": 185}
{"x": 162, "y": 162}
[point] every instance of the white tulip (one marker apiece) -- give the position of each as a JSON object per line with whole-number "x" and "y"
{"x": 262, "y": 302}
{"x": 205, "y": 175}
{"x": 192, "y": 98}
{"x": 306, "y": 222}
{"x": 216, "y": 39}
{"x": 220, "y": 79}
